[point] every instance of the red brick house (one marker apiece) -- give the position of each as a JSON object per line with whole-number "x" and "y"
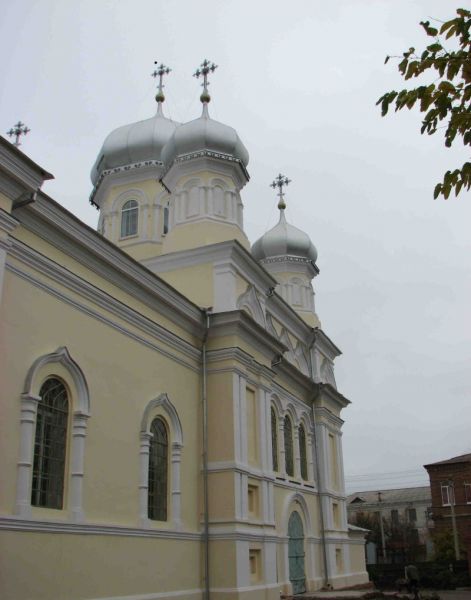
{"x": 450, "y": 484}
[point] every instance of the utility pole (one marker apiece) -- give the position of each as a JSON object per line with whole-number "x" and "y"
{"x": 451, "y": 494}
{"x": 381, "y": 527}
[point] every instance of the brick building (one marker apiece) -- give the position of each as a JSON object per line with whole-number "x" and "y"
{"x": 450, "y": 483}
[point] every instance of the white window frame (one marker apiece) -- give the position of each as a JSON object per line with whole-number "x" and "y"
{"x": 161, "y": 405}
{"x": 448, "y": 490}
{"x": 134, "y": 207}
{"x": 467, "y": 492}
{"x": 80, "y": 408}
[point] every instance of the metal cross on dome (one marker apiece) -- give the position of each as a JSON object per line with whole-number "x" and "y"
{"x": 18, "y": 130}
{"x": 203, "y": 70}
{"x": 280, "y": 182}
{"x": 159, "y": 72}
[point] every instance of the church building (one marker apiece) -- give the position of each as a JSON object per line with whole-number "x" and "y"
{"x": 171, "y": 425}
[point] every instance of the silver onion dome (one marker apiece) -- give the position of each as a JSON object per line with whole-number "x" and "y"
{"x": 134, "y": 143}
{"x": 204, "y": 134}
{"x": 284, "y": 240}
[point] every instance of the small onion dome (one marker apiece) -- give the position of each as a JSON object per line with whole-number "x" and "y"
{"x": 284, "y": 240}
{"x": 134, "y": 143}
{"x": 204, "y": 134}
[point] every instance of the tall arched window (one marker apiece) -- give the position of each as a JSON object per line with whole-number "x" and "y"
{"x": 274, "y": 439}
{"x": 129, "y": 218}
{"x": 302, "y": 451}
{"x": 158, "y": 471}
{"x": 50, "y": 445}
{"x": 288, "y": 431}
{"x": 166, "y": 216}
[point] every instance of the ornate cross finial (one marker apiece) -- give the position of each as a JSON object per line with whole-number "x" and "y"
{"x": 18, "y": 130}
{"x": 204, "y": 69}
{"x": 279, "y": 183}
{"x": 159, "y": 72}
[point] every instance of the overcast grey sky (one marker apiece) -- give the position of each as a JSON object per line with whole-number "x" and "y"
{"x": 299, "y": 81}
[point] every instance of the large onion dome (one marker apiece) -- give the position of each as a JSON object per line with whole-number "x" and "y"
{"x": 134, "y": 143}
{"x": 284, "y": 240}
{"x": 205, "y": 134}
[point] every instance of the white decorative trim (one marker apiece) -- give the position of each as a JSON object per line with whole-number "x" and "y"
{"x": 176, "y": 434}
{"x": 155, "y": 596}
{"x": 50, "y": 526}
{"x": 249, "y": 300}
{"x": 98, "y": 297}
{"x": 29, "y": 406}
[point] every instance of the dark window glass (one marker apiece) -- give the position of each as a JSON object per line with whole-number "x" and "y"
{"x": 50, "y": 445}
{"x": 288, "y": 446}
{"x": 129, "y": 218}
{"x": 395, "y": 517}
{"x": 158, "y": 471}
{"x": 165, "y": 219}
{"x": 274, "y": 439}
{"x": 302, "y": 451}
{"x": 412, "y": 514}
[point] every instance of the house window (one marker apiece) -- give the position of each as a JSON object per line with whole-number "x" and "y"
{"x": 129, "y": 218}
{"x": 447, "y": 494}
{"x": 158, "y": 471}
{"x": 411, "y": 515}
{"x": 166, "y": 212}
{"x": 50, "y": 445}
{"x": 274, "y": 439}
{"x": 394, "y": 517}
{"x": 288, "y": 434}
{"x": 302, "y": 451}
{"x": 467, "y": 493}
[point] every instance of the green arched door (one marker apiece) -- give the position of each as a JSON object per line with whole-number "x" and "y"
{"x": 297, "y": 575}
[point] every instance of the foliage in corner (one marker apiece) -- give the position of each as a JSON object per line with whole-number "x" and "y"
{"x": 448, "y": 99}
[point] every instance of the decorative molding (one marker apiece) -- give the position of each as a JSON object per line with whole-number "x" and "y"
{"x": 60, "y": 228}
{"x": 80, "y": 404}
{"x": 34, "y": 525}
{"x": 176, "y": 435}
{"x": 118, "y": 170}
{"x": 99, "y": 298}
{"x": 7, "y": 222}
{"x": 249, "y": 300}
{"x": 96, "y": 315}
{"x": 223, "y": 164}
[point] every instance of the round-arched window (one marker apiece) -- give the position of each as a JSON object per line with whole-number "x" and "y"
{"x": 129, "y": 218}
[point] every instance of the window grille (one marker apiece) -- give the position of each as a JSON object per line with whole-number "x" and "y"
{"x": 394, "y": 516}
{"x": 158, "y": 471}
{"x": 129, "y": 218}
{"x": 412, "y": 515}
{"x": 274, "y": 439}
{"x": 302, "y": 452}
{"x": 288, "y": 431}
{"x": 50, "y": 445}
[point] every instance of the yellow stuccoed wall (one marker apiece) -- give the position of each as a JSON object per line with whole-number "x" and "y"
{"x": 96, "y": 566}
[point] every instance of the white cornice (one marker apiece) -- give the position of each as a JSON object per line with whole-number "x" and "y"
{"x": 149, "y": 169}
{"x": 205, "y": 160}
{"x": 114, "y": 307}
{"x": 20, "y": 168}
{"x": 327, "y": 417}
{"x": 239, "y": 355}
{"x": 21, "y": 524}
{"x": 239, "y": 323}
{"x": 230, "y": 251}
{"x": 7, "y": 222}
{"x": 325, "y": 345}
{"x": 56, "y": 225}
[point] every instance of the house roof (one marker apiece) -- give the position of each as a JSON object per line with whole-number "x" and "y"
{"x": 414, "y": 494}
{"x": 456, "y": 459}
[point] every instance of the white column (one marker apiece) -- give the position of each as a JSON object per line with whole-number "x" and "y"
{"x": 296, "y": 454}
{"x": 176, "y": 491}
{"x": 236, "y": 417}
{"x": 144, "y": 477}
{"x": 29, "y": 409}
{"x": 79, "y": 433}
{"x": 281, "y": 446}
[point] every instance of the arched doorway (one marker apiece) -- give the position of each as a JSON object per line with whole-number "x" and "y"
{"x": 297, "y": 574}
